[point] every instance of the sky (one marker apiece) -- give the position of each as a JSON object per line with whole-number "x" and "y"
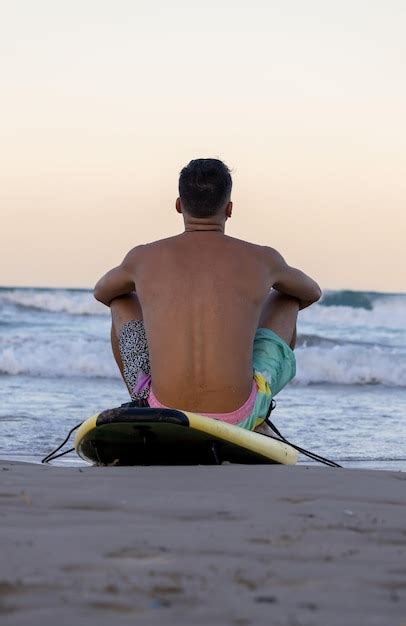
{"x": 103, "y": 102}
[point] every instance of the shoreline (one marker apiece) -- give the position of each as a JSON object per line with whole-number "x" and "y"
{"x": 225, "y": 544}
{"x": 74, "y": 461}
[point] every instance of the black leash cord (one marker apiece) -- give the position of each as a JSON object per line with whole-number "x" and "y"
{"x": 311, "y": 455}
{"x": 52, "y": 455}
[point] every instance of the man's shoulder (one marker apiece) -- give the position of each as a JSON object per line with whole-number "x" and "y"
{"x": 263, "y": 251}
{"x": 265, "y": 256}
{"x": 143, "y": 249}
{"x": 272, "y": 254}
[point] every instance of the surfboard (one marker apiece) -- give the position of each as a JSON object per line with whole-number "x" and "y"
{"x": 143, "y": 436}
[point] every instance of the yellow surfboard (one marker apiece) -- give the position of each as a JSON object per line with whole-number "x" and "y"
{"x": 145, "y": 436}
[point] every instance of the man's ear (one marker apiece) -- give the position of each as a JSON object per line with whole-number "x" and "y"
{"x": 229, "y": 209}
{"x": 178, "y": 206}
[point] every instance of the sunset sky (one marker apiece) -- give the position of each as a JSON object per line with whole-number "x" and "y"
{"x": 103, "y": 102}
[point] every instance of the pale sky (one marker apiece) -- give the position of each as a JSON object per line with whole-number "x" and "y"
{"x": 103, "y": 102}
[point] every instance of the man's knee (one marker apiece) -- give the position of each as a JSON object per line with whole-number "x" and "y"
{"x": 281, "y": 300}
{"x": 279, "y": 314}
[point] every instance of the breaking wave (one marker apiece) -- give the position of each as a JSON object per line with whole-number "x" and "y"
{"x": 73, "y": 302}
{"x": 58, "y": 358}
{"x": 339, "y": 364}
{"x": 343, "y": 307}
{"x": 387, "y": 312}
{"x": 351, "y": 365}
{"x": 353, "y": 299}
{"x": 354, "y": 338}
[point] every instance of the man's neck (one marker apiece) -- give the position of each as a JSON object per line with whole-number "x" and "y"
{"x": 195, "y": 226}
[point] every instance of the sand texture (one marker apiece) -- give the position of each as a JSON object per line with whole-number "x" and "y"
{"x": 234, "y": 545}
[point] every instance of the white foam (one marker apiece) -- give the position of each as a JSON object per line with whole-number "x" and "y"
{"x": 58, "y": 358}
{"x": 351, "y": 365}
{"x": 55, "y": 301}
{"x": 45, "y": 351}
{"x": 387, "y": 312}
{"x": 66, "y": 357}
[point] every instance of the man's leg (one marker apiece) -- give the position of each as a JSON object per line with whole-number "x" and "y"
{"x": 279, "y": 314}
{"x": 131, "y": 345}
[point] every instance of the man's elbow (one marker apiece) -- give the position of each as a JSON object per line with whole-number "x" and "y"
{"x": 98, "y": 294}
{"x": 314, "y": 295}
{"x": 317, "y": 293}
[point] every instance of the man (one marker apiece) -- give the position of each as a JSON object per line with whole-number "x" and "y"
{"x": 201, "y": 321}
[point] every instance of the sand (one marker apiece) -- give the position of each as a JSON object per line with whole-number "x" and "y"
{"x": 233, "y": 545}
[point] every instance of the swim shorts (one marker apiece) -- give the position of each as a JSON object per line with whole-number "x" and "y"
{"x": 274, "y": 365}
{"x": 135, "y": 357}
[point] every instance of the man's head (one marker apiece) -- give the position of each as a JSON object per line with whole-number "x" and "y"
{"x": 205, "y": 189}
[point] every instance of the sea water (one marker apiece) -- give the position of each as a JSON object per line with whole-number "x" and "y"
{"x": 347, "y": 402}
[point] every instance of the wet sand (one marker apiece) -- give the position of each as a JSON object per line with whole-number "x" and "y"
{"x": 233, "y": 545}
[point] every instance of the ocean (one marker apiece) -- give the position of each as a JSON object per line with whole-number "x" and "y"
{"x": 347, "y": 402}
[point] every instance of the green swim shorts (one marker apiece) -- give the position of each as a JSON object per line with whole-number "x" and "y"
{"x": 274, "y": 365}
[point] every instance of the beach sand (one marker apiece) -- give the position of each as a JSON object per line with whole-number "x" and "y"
{"x": 234, "y": 545}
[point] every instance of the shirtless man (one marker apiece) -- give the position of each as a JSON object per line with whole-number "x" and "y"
{"x": 202, "y": 321}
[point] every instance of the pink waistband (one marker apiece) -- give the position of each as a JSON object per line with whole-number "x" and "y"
{"x": 235, "y": 417}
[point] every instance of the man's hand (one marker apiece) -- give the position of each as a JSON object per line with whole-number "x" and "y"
{"x": 117, "y": 282}
{"x": 292, "y": 282}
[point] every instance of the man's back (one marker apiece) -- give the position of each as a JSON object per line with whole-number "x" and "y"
{"x": 201, "y": 295}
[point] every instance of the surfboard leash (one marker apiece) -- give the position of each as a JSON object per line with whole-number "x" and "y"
{"x": 311, "y": 455}
{"x": 52, "y": 455}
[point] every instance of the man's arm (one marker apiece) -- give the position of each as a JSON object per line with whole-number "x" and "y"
{"x": 292, "y": 282}
{"x": 117, "y": 282}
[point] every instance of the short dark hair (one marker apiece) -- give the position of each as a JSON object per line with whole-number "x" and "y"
{"x": 204, "y": 187}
